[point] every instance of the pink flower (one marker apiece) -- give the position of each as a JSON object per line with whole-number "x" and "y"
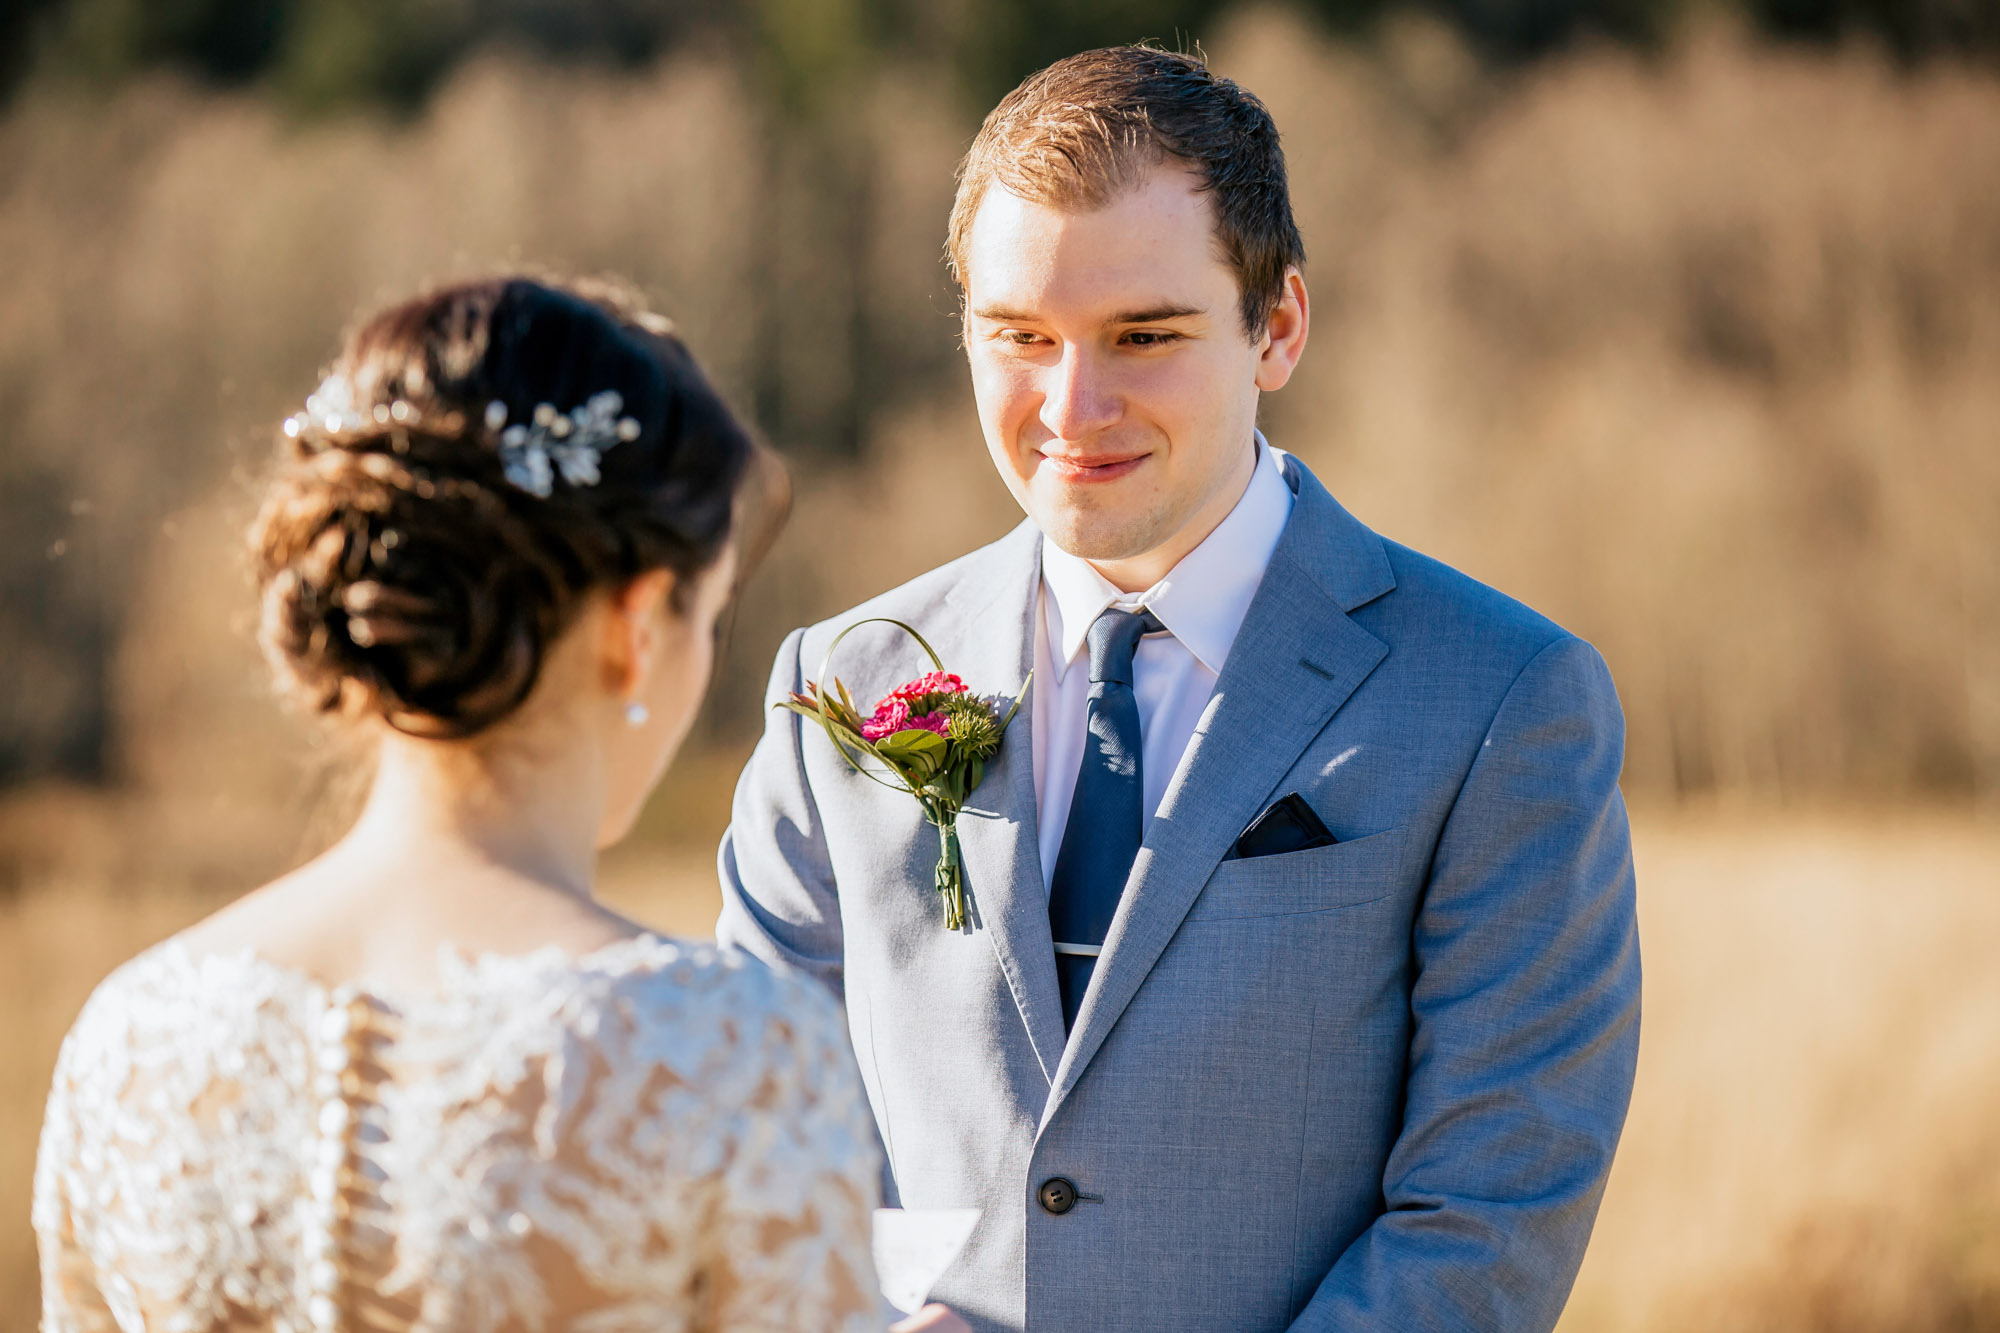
{"x": 937, "y": 682}
{"x": 891, "y": 716}
{"x": 895, "y": 713}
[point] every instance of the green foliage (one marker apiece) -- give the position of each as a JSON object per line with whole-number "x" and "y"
{"x": 366, "y": 49}
{"x": 811, "y": 53}
{"x": 915, "y": 753}
{"x": 321, "y": 54}
{"x": 972, "y": 725}
{"x": 1913, "y": 29}
{"x": 223, "y": 41}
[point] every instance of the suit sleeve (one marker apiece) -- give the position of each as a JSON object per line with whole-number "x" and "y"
{"x": 778, "y": 897}
{"x": 1525, "y": 1004}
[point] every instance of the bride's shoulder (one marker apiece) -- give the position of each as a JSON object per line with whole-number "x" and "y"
{"x": 147, "y": 988}
{"x": 167, "y": 1005}
{"x": 709, "y": 1013}
{"x": 679, "y": 982}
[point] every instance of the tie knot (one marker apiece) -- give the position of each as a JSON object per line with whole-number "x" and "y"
{"x": 1113, "y": 638}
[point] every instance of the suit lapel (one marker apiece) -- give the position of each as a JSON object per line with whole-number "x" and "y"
{"x": 998, "y": 829}
{"x": 1295, "y": 661}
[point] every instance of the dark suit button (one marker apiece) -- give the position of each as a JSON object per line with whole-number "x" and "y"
{"x": 1058, "y": 1196}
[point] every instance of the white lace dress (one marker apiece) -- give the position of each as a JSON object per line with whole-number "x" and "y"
{"x": 652, "y": 1137}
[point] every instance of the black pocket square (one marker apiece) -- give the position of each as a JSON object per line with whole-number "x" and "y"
{"x": 1288, "y": 826}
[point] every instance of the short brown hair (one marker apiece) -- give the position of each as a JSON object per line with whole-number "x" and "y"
{"x": 1090, "y": 126}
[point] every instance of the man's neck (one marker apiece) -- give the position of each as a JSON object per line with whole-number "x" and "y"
{"x": 1141, "y": 572}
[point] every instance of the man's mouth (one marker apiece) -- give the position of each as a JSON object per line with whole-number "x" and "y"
{"x": 1093, "y": 470}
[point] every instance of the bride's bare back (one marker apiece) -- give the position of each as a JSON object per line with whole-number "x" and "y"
{"x": 362, "y": 915}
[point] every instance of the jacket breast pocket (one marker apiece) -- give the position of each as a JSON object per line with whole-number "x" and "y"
{"x": 1347, "y": 874}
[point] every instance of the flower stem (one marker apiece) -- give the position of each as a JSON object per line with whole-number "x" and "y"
{"x": 950, "y": 874}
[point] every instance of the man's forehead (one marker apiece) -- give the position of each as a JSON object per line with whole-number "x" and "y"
{"x": 1150, "y": 249}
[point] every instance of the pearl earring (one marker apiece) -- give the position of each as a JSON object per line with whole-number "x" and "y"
{"x": 637, "y": 714}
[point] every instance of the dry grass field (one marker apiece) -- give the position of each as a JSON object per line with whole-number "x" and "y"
{"x": 1814, "y": 1145}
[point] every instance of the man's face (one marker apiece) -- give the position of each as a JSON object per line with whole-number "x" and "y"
{"x": 1116, "y": 386}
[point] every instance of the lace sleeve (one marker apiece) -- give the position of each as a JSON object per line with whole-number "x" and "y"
{"x": 800, "y": 1182}
{"x": 71, "y": 1299}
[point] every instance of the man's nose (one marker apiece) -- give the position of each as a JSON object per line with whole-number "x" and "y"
{"x": 1078, "y": 399}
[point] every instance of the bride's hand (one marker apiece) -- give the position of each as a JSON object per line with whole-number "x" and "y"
{"x": 932, "y": 1318}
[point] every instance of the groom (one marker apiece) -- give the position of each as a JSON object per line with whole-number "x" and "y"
{"x": 1301, "y": 989}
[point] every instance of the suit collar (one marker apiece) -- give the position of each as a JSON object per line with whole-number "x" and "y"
{"x": 1003, "y": 574}
{"x": 1329, "y": 546}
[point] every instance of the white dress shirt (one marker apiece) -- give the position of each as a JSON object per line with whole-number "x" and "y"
{"x": 1201, "y": 601}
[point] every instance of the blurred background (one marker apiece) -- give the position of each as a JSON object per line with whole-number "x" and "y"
{"x": 1679, "y": 319}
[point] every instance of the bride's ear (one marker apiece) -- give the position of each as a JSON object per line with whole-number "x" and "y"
{"x": 635, "y": 631}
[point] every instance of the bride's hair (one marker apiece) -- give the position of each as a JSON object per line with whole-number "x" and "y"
{"x": 417, "y": 559}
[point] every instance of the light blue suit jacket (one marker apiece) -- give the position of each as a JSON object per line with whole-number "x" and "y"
{"x": 1371, "y": 1086}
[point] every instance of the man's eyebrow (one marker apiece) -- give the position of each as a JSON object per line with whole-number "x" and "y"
{"x": 1158, "y": 313}
{"x": 1148, "y": 315}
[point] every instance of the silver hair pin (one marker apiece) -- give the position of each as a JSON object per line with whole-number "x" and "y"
{"x": 533, "y": 453}
{"x": 332, "y": 408}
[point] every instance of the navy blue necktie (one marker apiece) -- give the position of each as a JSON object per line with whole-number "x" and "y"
{"x": 1101, "y": 839}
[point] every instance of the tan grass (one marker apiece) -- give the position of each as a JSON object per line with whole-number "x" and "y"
{"x": 1814, "y": 1145}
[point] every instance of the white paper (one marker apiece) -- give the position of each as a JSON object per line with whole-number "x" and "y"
{"x": 913, "y": 1247}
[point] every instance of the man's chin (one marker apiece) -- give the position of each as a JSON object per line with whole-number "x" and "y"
{"x": 1091, "y": 537}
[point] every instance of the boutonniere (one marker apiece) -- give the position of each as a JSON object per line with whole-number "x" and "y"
{"x": 932, "y": 734}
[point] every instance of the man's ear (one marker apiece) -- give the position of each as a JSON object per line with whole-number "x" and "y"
{"x": 1284, "y": 340}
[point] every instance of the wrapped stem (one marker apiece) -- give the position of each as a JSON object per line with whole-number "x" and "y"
{"x": 950, "y": 874}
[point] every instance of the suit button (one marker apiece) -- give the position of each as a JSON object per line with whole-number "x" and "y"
{"x": 1057, "y": 1195}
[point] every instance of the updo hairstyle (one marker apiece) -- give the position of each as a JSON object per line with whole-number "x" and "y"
{"x": 404, "y": 575}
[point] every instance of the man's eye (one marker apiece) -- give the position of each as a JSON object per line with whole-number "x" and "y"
{"x": 1151, "y": 339}
{"x": 1020, "y": 337}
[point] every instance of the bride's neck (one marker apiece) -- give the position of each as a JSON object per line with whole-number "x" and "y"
{"x": 537, "y": 817}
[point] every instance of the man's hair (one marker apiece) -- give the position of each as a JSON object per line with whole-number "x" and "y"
{"x": 1086, "y": 128}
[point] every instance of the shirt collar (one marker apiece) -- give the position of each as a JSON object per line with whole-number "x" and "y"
{"x": 1203, "y": 599}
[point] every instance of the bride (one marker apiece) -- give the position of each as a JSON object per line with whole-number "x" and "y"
{"x": 426, "y": 1082}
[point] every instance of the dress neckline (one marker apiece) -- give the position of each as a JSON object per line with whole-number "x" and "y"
{"x": 459, "y": 968}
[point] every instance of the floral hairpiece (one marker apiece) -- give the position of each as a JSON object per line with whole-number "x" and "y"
{"x": 532, "y": 453}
